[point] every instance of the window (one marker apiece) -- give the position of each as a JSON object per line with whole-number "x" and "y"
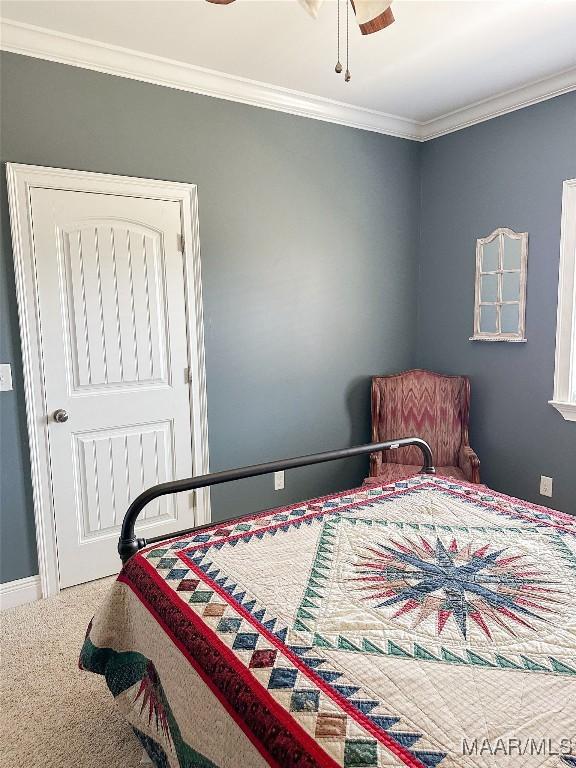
{"x": 565, "y": 376}
{"x": 500, "y": 299}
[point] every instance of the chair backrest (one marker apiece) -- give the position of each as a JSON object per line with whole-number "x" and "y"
{"x": 421, "y": 404}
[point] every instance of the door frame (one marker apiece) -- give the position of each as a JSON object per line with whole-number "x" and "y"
{"x": 21, "y": 180}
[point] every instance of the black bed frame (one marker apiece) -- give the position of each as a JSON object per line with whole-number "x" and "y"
{"x": 129, "y": 545}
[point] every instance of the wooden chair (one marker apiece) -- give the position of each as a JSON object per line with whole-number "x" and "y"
{"x": 428, "y": 405}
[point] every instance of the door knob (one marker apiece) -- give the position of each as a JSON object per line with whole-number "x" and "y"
{"x": 60, "y": 415}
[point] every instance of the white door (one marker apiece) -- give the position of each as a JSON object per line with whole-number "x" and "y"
{"x": 113, "y": 336}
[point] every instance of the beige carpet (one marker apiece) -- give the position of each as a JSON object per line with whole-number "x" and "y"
{"x": 52, "y": 715}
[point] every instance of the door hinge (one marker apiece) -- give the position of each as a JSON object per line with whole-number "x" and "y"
{"x": 180, "y": 242}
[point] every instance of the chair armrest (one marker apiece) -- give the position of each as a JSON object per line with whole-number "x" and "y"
{"x": 375, "y": 464}
{"x": 469, "y": 463}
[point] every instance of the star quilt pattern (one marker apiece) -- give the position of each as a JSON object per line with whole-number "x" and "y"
{"x": 424, "y": 623}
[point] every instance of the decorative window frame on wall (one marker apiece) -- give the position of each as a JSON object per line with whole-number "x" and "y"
{"x": 564, "y": 398}
{"x": 500, "y": 301}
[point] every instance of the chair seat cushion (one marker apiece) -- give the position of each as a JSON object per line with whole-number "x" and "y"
{"x": 391, "y": 472}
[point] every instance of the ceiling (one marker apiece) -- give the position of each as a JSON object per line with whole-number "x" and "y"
{"x": 438, "y": 58}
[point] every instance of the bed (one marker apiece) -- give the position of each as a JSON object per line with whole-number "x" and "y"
{"x": 423, "y": 623}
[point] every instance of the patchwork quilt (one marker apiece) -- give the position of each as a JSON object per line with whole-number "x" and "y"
{"x": 423, "y": 623}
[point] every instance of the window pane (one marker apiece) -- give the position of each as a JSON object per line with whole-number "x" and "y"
{"x": 489, "y": 288}
{"x": 488, "y": 319}
{"x": 511, "y": 286}
{"x": 512, "y": 253}
{"x": 490, "y": 256}
{"x": 510, "y": 318}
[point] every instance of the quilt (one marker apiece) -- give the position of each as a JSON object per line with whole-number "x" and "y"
{"x": 423, "y": 623}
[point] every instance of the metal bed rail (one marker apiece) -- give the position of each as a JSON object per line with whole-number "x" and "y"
{"x": 129, "y": 544}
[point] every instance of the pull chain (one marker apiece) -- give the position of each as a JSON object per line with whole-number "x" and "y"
{"x": 338, "y": 67}
{"x": 347, "y": 75}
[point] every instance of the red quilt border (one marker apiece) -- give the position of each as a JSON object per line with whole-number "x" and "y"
{"x": 276, "y": 728}
{"x": 378, "y": 733}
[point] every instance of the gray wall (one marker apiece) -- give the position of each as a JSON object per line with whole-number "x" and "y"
{"x": 505, "y": 172}
{"x": 309, "y": 238}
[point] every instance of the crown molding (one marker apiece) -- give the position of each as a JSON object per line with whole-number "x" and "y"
{"x": 42, "y": 43}
{"x": 60, "y": 47}
{"x": 501, "y": 104}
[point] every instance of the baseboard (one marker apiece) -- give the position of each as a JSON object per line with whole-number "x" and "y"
{"x": 14, "y": 593}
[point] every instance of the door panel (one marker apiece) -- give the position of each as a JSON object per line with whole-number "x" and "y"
{"x": 113, "y": 467}
{"x": 112, "y": 308}
{"x": 118, "y": 327}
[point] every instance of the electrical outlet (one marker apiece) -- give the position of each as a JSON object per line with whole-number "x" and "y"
{"x": 545, "y": 486}
{"x": 5, "y": 377}
{"x": 278, "y": 481}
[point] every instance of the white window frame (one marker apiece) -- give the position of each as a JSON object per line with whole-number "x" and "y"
{"x": 564, "y": 398}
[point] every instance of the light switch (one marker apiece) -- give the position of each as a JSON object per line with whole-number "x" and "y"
{"x": 5, "y": 377}
{"x": 278, "y": 481}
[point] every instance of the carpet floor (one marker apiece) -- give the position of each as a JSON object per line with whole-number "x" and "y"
{"x": 52, "y": 715}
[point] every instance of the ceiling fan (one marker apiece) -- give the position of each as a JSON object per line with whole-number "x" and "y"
{"x": 371, "y": 16}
